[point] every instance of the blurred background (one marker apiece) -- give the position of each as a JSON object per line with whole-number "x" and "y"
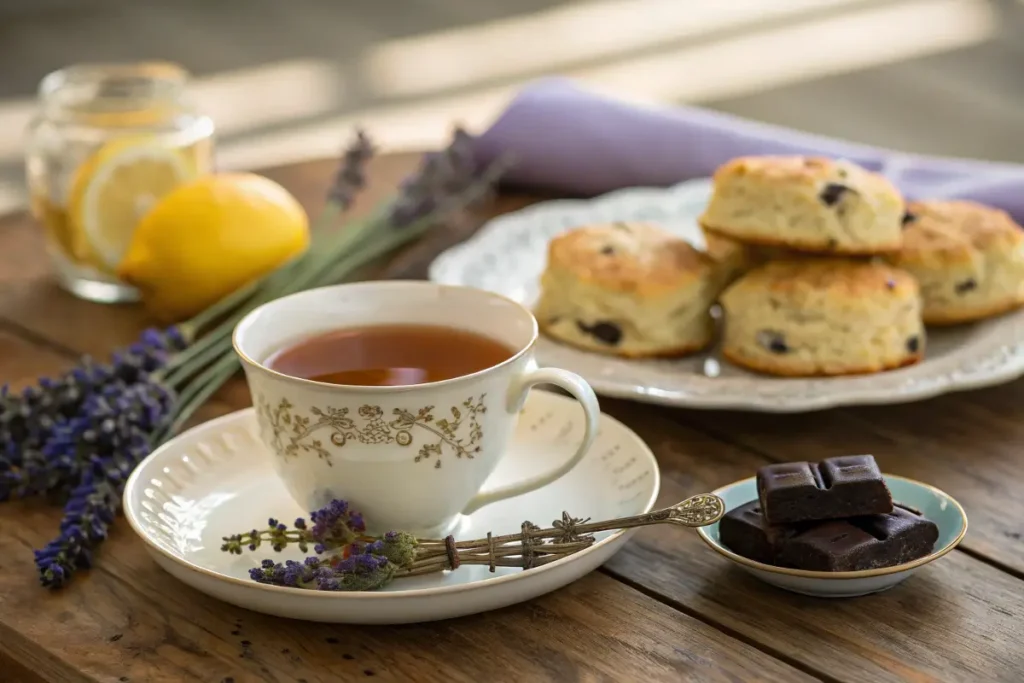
{"x": 284, "y": 79}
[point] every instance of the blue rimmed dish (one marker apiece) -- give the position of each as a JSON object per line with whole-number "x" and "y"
{"x": 936, "y": 505}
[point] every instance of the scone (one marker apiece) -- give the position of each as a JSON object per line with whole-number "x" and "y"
{"x": 628, "y": 289}
{"x": 823, "y": 317}
{"x": 967, "y": 258}
{"x": 805, "y": 203}
{"x": 734, "y": 258}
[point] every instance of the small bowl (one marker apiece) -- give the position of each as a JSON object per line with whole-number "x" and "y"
{"x": 934, "y": 504}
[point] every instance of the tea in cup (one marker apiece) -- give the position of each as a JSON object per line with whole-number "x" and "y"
{"x": 399, "y": 397}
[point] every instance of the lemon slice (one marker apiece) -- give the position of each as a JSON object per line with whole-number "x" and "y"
{"x": 115, "y": 188}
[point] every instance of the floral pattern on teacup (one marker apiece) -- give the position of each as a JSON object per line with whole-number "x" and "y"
{"x": 293, "y": 434}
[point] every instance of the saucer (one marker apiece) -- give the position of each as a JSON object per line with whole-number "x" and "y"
{"x": 217, "y": 479}
{"x": 934, "y": 504}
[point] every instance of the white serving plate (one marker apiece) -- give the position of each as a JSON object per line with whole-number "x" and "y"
{"x": 508, "y": 255}
{"x": 217, "y": 479}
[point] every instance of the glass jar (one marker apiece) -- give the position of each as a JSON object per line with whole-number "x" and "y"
{"x": 107, "y": 142}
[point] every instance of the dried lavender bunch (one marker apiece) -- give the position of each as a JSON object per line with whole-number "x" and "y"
{"x": 348, "y": 560}
{"x": 34, "y": 425}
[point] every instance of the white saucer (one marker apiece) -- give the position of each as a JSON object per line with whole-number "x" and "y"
{"x": 217, "y": 479}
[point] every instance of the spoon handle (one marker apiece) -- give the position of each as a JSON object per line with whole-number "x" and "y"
{"x": 695, "y": 511}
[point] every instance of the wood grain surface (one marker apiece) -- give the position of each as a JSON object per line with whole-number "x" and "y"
{"x": 664, "y": 609}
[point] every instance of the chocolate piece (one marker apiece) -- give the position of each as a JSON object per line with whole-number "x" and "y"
{"x": 609, "y": 333}
{"x": 858, "y": 543}
{"x": 908, "y": 218}
{"x": 835, "y": 488}
{"x": 913, "y": 344}
{"x": 608, "y": 250}
{"x": 745, "y": 531}
{"x": 868, "y": 542}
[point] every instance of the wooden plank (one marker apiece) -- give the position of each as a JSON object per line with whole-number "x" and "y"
{"x": 966, "y": 444}
{"x": 128, "y": 620}
{"x": 22, "y": 362}
{"x": 955, "y": 620}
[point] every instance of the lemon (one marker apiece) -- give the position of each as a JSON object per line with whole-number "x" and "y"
{"x": 114, "y": 188}
{"x": 209, "y": 237}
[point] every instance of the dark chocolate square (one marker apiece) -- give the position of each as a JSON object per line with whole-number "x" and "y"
{"x": 859, "y": 543}
{"x": 745, "y": 531}
{"x": 868, "y": 542}
{"x": 836, "y": 488}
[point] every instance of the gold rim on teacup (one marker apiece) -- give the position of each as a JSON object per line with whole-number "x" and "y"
{"x": 389, "y": 284}
{"x": 720, "y": 548}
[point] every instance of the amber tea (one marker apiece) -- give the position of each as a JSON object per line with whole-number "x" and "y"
{"x": 390, "y": 355}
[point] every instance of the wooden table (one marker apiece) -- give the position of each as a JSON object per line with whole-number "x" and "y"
{"x": 664, "y": 609}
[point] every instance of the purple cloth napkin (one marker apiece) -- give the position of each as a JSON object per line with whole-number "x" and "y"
{"x": 568, "y": 140}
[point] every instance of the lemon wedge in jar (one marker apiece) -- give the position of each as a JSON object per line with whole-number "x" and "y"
{"x": 209, "y": 237}
{"x": 114, "y": 188}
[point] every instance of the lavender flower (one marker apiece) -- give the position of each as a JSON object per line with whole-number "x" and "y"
{"x": 351, "y": 175}
{"x": 357, "y": 563}
{"x": 358, "y": 572}
{"x": 101, "y": 447}
{"x": 37, "y": 427}
{"x": 335, "y": 527}
{"x": 443, "y": 177}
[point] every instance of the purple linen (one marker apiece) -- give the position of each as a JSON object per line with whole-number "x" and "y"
{"x": 571, "y": 141}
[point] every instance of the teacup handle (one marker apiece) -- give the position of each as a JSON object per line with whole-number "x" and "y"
{"x": 518, "y": 392}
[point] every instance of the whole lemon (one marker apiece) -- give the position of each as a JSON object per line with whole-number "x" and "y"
{"x": 210, "y": 236}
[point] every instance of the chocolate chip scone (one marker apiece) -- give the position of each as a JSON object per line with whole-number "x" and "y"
{"x": 628, "y": 289}
{"x": 805, "y": 203}
{"x": 736, "y": 258}
{"x": 967, "y": 258}
{"x": 823, "y": 317}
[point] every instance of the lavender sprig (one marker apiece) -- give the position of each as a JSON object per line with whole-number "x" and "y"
{"x": 334, "y": 527}
{"x": 111, "y": 437}
{"x": 351, "y": 175}
{"x": 368, "y": 563}
{"x": 366, "y": 566}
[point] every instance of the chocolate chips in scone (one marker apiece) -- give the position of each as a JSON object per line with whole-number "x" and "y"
{"x": 835, "y": 488}
{"x": 966, "y": 286}
{"x": 832, "y": 193}
{"x": 606, "y": 332}
{"x": 857, "y": 543}
{"x": 772, "y": 341}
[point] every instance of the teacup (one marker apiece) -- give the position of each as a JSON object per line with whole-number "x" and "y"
{"x": 365, "y": 444}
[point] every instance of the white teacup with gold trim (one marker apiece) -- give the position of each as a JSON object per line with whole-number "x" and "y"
{"x": 409, "y": 457}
